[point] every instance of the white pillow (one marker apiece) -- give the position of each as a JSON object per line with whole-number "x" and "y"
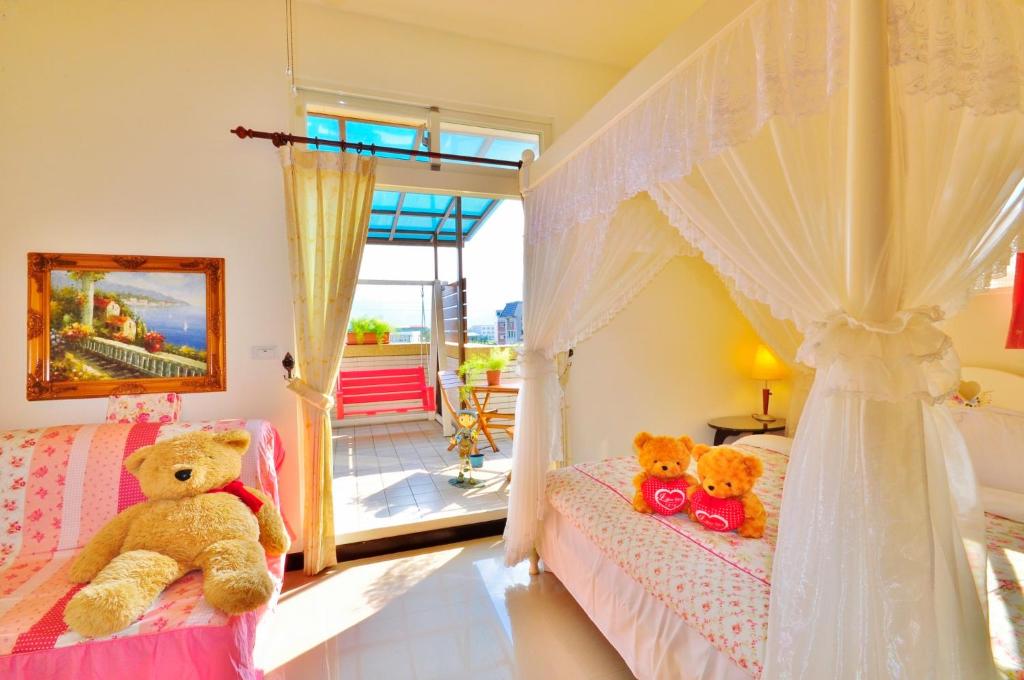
{"x": 772, "y": 442}
{"x": 995, "y": 441}
{"x": 1003, "y": 503}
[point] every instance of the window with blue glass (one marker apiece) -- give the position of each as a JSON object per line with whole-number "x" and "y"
{"x": 471, "y": 140}
{"x": 336, "y": 128}
{"x": 462, "y": 140}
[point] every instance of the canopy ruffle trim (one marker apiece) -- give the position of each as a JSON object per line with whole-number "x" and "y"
{"x": 969, "y": 50}
{"x": 906, "y": 357}
{"x": 778, "y": 58}
{"x": 739, "y": 280}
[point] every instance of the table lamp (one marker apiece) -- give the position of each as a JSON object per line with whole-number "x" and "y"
{"x": 766, "y": 367}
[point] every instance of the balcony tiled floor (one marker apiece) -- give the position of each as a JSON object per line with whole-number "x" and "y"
{"x": 394, "y": 478}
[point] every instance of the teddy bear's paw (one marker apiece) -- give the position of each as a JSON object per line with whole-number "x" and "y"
{"x": 237, "y": 592}
{"x": 101, "y": 609}
{"x": 84, "y": 569}
{"x": 640, "y": 505}
{"x": 752, "y": 531}
{"x": 275, "y": 544}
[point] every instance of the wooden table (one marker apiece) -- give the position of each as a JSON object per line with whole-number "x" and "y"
{"x": 481, "y": 408}
{"x": 730, "y": 426}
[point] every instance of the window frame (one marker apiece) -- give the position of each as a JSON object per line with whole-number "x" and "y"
{"x": 417, "y": 176}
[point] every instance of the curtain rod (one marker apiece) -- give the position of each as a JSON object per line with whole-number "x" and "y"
{"x": 282, "y": 138}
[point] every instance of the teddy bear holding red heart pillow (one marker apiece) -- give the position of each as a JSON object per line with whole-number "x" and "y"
{"x": 724, "y": 498}
{"x": 663, "y": 480}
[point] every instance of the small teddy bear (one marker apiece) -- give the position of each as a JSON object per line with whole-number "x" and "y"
{"x": 663, "y": 480}
{"x": 724, "y": 500}
{"x": 198, "y": 516}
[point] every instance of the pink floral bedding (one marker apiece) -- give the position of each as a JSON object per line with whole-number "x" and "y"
{"x": 58, "y": 486}
{"x": 719, "y": 584}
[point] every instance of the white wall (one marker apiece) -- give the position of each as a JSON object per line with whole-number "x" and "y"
{"x": 114, "y": 119}
{"x": 678, "y": 355}
{"x": 364, "y": 55}
{"x": 114, "y": 140}
{"x": 979, "y": 332}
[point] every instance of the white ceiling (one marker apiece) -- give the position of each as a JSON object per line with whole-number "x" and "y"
{"x": 613, "y": 32}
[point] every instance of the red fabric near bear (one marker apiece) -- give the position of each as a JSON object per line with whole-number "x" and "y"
{"x": 717, "y": 514}
{"x": 665, "y": 496}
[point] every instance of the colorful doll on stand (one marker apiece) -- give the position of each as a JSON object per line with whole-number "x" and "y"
{"x": 464, "y": 440}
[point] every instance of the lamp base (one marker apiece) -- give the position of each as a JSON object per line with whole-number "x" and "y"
{"x": 763, "y": 416}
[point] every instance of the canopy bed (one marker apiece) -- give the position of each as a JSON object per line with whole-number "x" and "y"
{"x": 852, "y": 171}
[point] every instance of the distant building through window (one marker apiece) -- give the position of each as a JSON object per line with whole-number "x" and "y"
{"x": 484, "y": 334}
{"x": 508, "y": 329}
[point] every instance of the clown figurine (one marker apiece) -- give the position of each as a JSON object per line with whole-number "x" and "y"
{"x": 464, "y": 440}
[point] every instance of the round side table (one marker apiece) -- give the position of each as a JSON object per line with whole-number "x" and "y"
{"x": 730, "y": 426}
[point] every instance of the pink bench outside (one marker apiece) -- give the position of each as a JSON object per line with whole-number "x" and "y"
{"x": 58, "y": 486}
{"x": 387, "y": 390}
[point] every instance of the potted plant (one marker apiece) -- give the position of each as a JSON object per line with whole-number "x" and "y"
{"x": 492, "y": 364}
{"x": 367, "y": 331}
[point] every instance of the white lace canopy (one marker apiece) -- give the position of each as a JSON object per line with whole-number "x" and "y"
{"x": 747, "y": 149}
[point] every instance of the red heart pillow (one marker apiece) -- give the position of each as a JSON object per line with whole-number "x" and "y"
{"x": 665, "y": 496}
{"x": 717, "y": 514}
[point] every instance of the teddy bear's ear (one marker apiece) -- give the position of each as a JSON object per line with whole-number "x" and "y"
{"x": 755, "y": 468}
{"x": 699, "y": 450}
{"x": 133, "y": 462}
{"x": 641, "y": 439}
{"x": 235, "y": 439}
{"x": 687, "y": 442}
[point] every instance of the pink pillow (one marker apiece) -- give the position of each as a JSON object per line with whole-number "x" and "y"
{"x": 144, "y": 408}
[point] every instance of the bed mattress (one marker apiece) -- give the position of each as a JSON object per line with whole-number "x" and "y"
{"x": 713, "y": 584}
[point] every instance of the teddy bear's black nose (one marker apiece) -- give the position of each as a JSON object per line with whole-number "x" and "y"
{"x": 182, "y": 475}
{"x": 711, "y": 487}
{"x": 664, "y": 467}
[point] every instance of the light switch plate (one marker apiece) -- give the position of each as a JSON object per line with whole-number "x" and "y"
{"x": 264, "y": 352}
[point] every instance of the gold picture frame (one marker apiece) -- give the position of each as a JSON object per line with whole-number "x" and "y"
{"x": 101, "y": 325}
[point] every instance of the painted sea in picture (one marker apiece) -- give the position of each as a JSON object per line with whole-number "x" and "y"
{"x": 118, "y": 325}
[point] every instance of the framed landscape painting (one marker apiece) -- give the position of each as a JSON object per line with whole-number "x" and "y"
{"x": 102, "y": 325}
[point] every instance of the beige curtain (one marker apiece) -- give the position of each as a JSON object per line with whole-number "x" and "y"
{"x": 327, "y": 198}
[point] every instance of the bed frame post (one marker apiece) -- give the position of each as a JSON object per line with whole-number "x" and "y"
{"x": 534, "y": 562}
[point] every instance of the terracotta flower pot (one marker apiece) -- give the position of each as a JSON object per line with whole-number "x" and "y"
{"x": 368, "y": 339}
{"x": 494, "y": 378}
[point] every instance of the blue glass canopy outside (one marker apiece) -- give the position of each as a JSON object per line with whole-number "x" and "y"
{"x": 408, "y": 217}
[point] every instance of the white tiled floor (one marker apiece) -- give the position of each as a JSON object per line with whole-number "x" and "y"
{"x": 449, "y": 613}
{"x": 396, "y": 475}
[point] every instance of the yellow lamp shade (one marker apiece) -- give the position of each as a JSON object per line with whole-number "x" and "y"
{"x": 766, "y": 365}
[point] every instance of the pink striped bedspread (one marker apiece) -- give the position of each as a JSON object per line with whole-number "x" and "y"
{"x": 58, "y": 486}
{"x": 719, "y": 583}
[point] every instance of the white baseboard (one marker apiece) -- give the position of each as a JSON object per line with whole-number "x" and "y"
{"x": 383, "y": 419}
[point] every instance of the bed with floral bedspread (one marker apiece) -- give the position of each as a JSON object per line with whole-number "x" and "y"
{"x": 719, "y": 584}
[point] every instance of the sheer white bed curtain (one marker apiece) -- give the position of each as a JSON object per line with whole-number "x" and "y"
{"x": 855, "y": 168}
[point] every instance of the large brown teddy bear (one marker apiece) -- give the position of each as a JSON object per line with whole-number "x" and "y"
{"x": 662, "y": 482}
{"x": 198, "y": 516}
{"x": 724, "y": 499}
